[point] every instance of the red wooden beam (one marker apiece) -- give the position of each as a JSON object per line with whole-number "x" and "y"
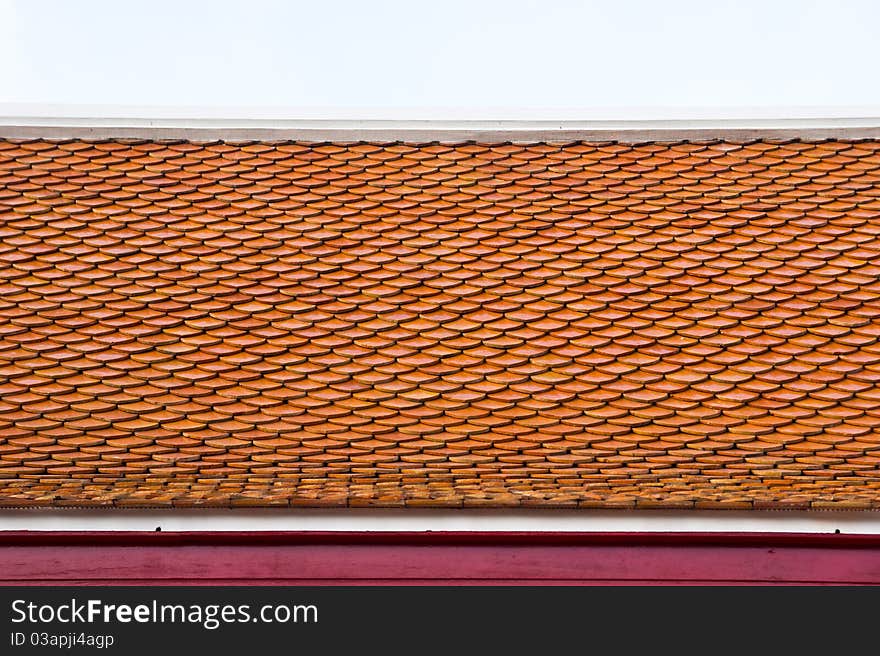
{"x": 317, "y": 558}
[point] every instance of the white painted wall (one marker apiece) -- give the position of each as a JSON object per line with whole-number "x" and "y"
{"x": 255, "y": 519}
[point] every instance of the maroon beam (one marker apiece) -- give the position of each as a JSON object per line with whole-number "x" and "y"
{"x": 368, "y": 558}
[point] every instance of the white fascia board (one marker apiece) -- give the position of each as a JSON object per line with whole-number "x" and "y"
{"x": 544, "y": 520}
{"x": 443, "y": 125}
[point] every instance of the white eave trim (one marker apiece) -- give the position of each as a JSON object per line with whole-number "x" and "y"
{"x": 626, "y": 125}
{"x": 415, "y": 520}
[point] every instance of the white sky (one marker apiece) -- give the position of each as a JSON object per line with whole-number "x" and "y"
{"x": 465, "y": 55}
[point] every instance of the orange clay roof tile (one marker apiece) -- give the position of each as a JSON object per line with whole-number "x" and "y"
{"x": 586, "y": 324}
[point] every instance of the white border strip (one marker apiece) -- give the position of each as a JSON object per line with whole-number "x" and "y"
{"x": 449, "y": 130}
{"x": 254, "y": 519}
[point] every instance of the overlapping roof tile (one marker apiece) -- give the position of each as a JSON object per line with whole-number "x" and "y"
{"x": 580, "y": 324}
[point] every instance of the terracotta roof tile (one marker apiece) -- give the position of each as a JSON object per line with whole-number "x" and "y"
{"x": 584, "y": 324}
